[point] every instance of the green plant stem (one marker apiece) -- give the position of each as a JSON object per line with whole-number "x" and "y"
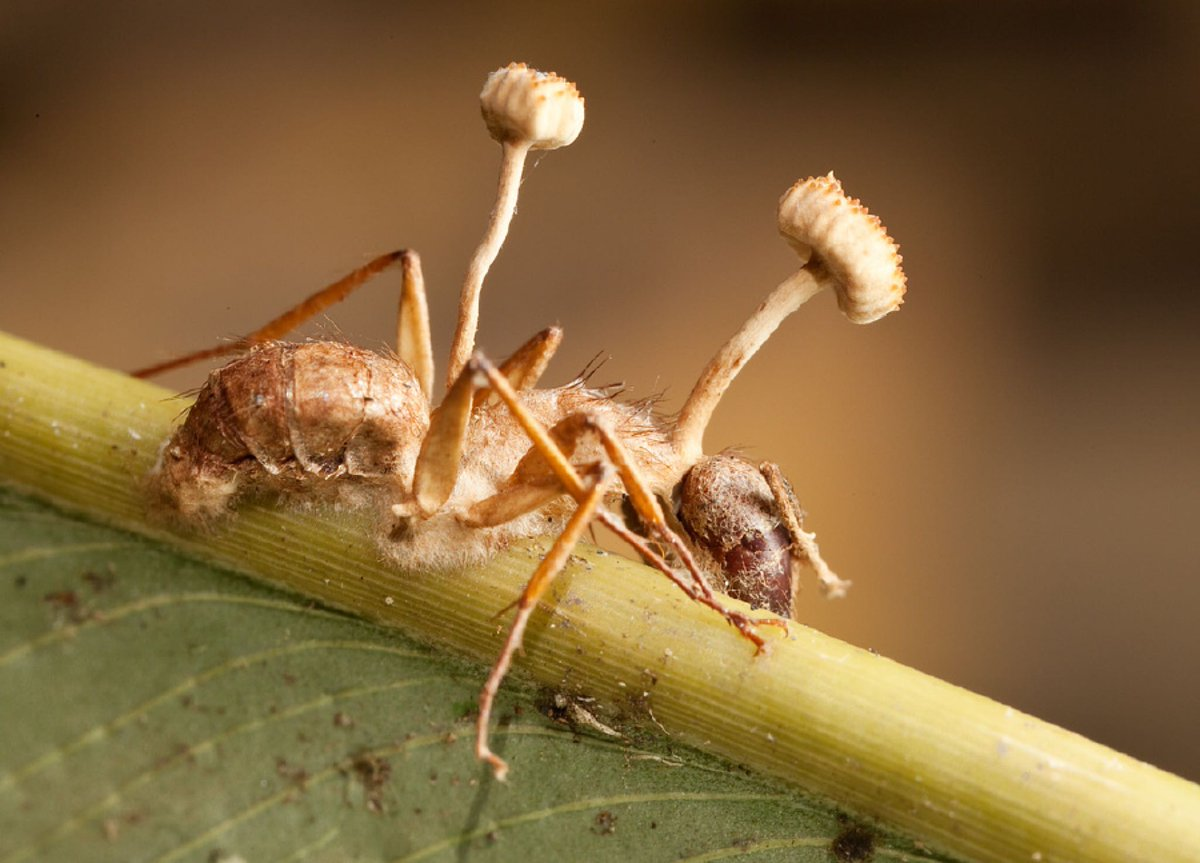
{"x": 958, "y": 771}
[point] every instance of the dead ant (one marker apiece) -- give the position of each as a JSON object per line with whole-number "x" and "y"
{"x": 500, "y": 459}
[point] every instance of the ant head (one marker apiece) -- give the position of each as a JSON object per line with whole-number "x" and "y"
{"x": 729, "y": 512}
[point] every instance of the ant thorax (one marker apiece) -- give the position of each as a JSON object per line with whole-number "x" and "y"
{"x": 500, "y": 474}
{"x": 500, "y": 459}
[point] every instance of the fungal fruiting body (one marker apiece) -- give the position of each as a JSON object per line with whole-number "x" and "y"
{"x": 828, "y": 229}
{"x": 539, "y": 109}
{"x": 499, "y": 458}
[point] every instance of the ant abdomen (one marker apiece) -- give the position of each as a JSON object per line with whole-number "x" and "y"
{"x": 313, "y": 417}
{"x": 728, "y": 510}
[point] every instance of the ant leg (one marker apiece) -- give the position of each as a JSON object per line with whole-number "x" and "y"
{"x": 804, "y": 544}
{"x": 413, "y": 344}
{"x": 525, "y": 367}
{"x": 438, "y": 463}
{"x": 534, "y": 482}
{"x": 696, "y": 589}
{"x": 524, "y": 491}
{"x": 548, "y": 453}
{"x": 544, "y": 443}
{"x": 304, "y": 310}
{"x": 551, "y": 565}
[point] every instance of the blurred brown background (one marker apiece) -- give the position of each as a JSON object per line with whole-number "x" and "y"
{"x": 1007, "y": 468}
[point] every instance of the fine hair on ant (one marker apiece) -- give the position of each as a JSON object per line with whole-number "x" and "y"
{"x": 500, "y": 459}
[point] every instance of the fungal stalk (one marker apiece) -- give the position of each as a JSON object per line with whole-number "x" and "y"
{"x": 524, "y": 110}
{"x": 842, "y": 247}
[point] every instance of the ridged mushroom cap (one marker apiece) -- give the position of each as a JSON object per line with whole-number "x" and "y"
{"x": 818, "y": 219}
{"x": 523, "y": 104}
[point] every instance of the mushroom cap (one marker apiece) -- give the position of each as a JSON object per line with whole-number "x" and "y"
{"x": 523, "y": 104}
{"x": 820, "y": 222}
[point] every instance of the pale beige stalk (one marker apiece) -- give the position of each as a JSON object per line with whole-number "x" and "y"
{"x": 789, "y": 295}
{"x": 524, "y": 110}
{"x": 512, "y": 165}
{"x": 843, "y": 247}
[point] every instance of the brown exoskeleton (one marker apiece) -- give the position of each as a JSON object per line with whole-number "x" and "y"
{"x": 500, "y": 459}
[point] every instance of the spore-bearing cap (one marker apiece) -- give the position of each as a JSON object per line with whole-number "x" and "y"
{"x": 824, "y": 225}
{"x": 523, "y": 105}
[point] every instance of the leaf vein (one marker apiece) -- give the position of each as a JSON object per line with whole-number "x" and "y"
{"x": 105, "y": 730}
{"x": 150, "y": 603}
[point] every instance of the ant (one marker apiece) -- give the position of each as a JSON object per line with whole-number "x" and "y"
{"x": 500, "y": 459}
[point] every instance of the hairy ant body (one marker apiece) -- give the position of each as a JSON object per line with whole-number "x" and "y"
{"x": 500, "y": 459}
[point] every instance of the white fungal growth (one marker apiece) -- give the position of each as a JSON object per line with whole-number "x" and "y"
{"x": 523, "y": 104}
{"x": 823, "y": 224}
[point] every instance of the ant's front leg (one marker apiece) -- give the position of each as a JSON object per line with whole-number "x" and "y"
{"x": 552, "y": 564}
{"x": 546, "y": 471}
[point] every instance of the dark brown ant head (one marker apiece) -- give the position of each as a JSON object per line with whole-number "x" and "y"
{"x": 745, "y": 518}
{"x": 729, "y": 511}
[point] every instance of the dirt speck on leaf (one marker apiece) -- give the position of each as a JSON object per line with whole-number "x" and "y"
{"x": 67, "y": 607}
{"x": 855, "y": 844}
{"x": 374, "y": 773}
{"x": 292, "y": 773}
{"x": 606, "y": 823}
{"x": 99, "y": 581}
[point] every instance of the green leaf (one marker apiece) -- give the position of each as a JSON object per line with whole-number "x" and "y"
{"x": 161, "y": 709}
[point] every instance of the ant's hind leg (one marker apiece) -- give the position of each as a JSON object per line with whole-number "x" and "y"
{"x": 413, "y": 343}
{"x": 804, "y": 547}
{"x": 301, "y": 312}
{"x": 551, "y": 565}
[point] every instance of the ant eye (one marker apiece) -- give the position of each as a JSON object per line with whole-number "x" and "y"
{"x": 729, "y": 512}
